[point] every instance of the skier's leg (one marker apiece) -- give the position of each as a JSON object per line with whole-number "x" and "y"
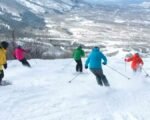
{"x": 99, "y": 81}
{"x": 98, "y": 77}
{"x": 103, "y": 77}
{"x": 22, "y": 61}
{"x": 105, "y": 81}
{"x": 77, "y": 65}
{"x": 1, "y": 76}
{"x": 134, "y": 70}
{"x": 25, "y": 62}
{"x": 80, "y": 65}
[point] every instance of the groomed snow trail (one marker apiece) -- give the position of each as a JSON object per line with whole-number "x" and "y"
{"x": 43, "y": 93}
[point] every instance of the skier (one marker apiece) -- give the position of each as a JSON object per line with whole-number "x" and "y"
{"x": 19, "y": 55}
{"x": 3, "y": 61}
{"x": 137, "y": 62}
{"x": 77, "y": 54}
{"x": 94, "y": 63}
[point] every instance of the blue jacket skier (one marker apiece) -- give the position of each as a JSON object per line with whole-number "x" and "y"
{"x": 94, "y": 63}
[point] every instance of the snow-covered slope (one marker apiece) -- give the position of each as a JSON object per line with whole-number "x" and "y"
{"x": 43, "y": 92}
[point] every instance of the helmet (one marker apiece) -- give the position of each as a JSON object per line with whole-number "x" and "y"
{"x": 137, "y": 53}
{"x": 96, "y": 47}
{"x": 19, "y": 46}
{"x": 4, "y": 44}
{"x": 80, "y": 46}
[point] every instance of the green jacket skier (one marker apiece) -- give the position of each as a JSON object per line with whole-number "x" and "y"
{"x": 78, "y": 53}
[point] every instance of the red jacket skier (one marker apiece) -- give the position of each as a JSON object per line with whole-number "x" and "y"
{"x": 137, "y": 62}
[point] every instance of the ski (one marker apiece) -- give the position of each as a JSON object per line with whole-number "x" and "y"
{"x": 5, "y": 83}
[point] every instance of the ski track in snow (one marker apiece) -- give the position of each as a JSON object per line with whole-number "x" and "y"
{"x": 43, "y": 93}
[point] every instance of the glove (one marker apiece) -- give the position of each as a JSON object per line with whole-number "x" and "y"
{"x": 5, "y": 66}
{"x": 140, "y": 65}
{"x": 86, "y": 67}
{"x": 104, "y": 63}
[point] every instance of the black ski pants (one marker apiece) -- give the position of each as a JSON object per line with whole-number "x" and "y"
{"x": 100, "y": 77}
{"x": 25, "y": 62}
{"x": 1, "y": 75}
{"x": 79, "y": 66}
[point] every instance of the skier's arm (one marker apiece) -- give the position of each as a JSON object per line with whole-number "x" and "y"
{"x": 5, "y": 60}
{"x": 87, "y": 62}
{"x": 104, "y": 59}
{"x": 26, "y": 51}
{"x": 129, "y": 59}
{"x": 5, "y": 65}
{"x": 83, "y": 53}
{"x": 141, "y": 61}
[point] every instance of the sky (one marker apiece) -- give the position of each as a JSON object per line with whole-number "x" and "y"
{"x": 44, "y": 92}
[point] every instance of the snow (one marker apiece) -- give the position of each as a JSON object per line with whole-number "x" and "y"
{"x": 119, "y": 20}
{"x": 33, "y": 7}
{"x": 5, "y": 25}
{"x": 44, "y": 93}
{"x": 52, "y": 4}
{"x": 17, "y": 18}
{"x": 11, "y": 11}
{"x": 1, "y": 13}
{"x": 145, "y": 5}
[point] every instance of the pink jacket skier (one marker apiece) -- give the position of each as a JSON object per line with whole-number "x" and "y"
{"x": 19, "y": 55}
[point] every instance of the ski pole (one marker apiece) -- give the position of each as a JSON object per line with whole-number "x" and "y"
{"x": 125, "y": 64}
{"x": 147, "y": 75}
{"x": 74, "y": 78}
{"x": 118, "y": 72}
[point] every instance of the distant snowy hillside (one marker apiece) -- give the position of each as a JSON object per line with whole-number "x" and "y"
{"x": 17, "y": 16}
{"x": 27, "y": 17}
{"x": 30, "y": 14}
{"x": 39, "y": 6}
{"x": 64, "y": 24}
{"x": 20, "y": 14}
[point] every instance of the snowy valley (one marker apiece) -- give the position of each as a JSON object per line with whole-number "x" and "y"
{"x": 61, "y": 25}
